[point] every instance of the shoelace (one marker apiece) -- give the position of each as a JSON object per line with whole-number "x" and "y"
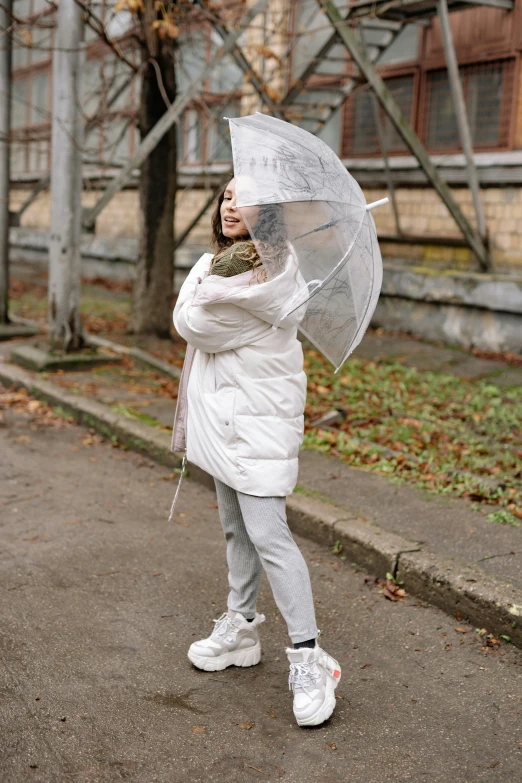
{"x": 303, "y": 675}
{"x": 223, "y": 625}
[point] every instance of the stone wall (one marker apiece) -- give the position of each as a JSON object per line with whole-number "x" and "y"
{"x": 469, "y": 309}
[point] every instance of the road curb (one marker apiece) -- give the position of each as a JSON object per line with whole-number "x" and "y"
{"x": 443, "y": 581}
{"x": 134, "y": 434}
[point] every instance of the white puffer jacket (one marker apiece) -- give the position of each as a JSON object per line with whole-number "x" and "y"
{"x": 243, "y": 389}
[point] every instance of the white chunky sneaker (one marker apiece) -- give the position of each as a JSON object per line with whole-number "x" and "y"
{"x": 314, "y": 676}
{"x": 233, "y": 642}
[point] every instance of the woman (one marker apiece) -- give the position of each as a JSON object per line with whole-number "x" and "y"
{"x": 240, "y": 418}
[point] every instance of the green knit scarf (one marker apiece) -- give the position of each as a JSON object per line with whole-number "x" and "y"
{"x": 235, "y": 260}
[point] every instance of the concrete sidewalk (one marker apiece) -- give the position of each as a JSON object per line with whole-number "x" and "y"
{"x": 101, "y": 597}
{"x": 444, "y": 551}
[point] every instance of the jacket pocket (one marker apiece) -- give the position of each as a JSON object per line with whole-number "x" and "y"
{"x": 226, "y": 401}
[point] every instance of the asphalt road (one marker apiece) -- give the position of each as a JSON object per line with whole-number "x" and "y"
{"x": 100, "y": 598}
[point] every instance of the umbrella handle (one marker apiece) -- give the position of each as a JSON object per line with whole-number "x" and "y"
{"x": 377, "y": 203}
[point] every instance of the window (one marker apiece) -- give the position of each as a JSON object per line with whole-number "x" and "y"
{"x": 116, "y": 140}
{"x": 41, "y": 38}
{"x": 19, "y": 103}
{"x": 361, "y": 133}
{"x": 218, "y": 135}
{"x": 487, "y": 88}
{"x": 21, "y": 36}
{"x": 17, "y": 158}
{"x": 39, "y": 108}
{"x": 108, "y": 141}
{"x": 228, "y": 76}
{"x": 191, "y": 57}
{"x": 31, "y": 92}
{"x": 92, "y": 86}
{"x": 192, "y": 126}
{"x": 330, "y": 133}
{"x": 38, "y": 156}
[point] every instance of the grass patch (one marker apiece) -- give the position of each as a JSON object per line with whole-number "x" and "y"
{"x": 448, "y": 435}
{"x": 503, "y": 517}
{"x": 312, "y": 493}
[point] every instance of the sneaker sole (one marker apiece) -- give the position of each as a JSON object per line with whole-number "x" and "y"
{"x": 250, "y": 656}
{"x": 327, "y": 707}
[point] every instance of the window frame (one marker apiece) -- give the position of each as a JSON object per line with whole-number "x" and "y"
{"x": 511, "y": 73}
{"x": 387, "y": 73}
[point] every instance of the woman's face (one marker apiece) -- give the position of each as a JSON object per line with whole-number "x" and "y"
{"x": 232, "y": 224}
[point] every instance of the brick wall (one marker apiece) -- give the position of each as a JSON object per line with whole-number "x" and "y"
{"x": 121, "y": 216}
{"x": 421, "y": 213}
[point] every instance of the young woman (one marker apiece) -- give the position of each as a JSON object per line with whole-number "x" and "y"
{"x": 239, "y": 417}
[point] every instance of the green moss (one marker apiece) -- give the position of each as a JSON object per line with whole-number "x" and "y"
{"x": 132, "y": 413}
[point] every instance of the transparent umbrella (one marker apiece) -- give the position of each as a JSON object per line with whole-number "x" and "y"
{"x": 303, "y": 208}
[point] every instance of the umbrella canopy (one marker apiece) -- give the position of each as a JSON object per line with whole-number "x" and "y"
{"x": 302, "y": 207}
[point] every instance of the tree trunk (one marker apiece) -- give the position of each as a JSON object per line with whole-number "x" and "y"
{"x": 152, "y": 293}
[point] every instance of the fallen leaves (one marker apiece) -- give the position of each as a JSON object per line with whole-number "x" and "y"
{"x": 198, "y": 729}
{"x": 180, "y": 521}
{"x": 91, "y": 439}
{"x": 444, "y": 433}
{"x": 332, "y": 745}
{"x": 37, "y": 411}
{"x": 391, "y": 588}
{"x": 246, "y": 725}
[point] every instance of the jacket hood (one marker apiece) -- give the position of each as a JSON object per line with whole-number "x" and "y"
{"x": 265, "y": 300}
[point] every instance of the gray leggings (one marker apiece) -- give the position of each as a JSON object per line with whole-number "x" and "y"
{"x": 258, "y": 536}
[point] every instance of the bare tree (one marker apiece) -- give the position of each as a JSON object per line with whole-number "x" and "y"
{"x": 152, "y": 295}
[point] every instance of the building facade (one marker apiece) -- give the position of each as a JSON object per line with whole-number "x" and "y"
{"x": 488, "y": 42}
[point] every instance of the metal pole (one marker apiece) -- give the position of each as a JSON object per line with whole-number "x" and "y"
{"x": 459, "y": 105}
{"x": 171, "y": 116}
{"x": 405, "y": 130}
{"x": 66, "y": 180}
{"x": 6, "y": 9}
{"x": 384, "y": 151}
{"x": 383, "y": 145}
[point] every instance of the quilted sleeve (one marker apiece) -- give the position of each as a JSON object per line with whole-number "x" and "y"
{"x": 218, "y": 327}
